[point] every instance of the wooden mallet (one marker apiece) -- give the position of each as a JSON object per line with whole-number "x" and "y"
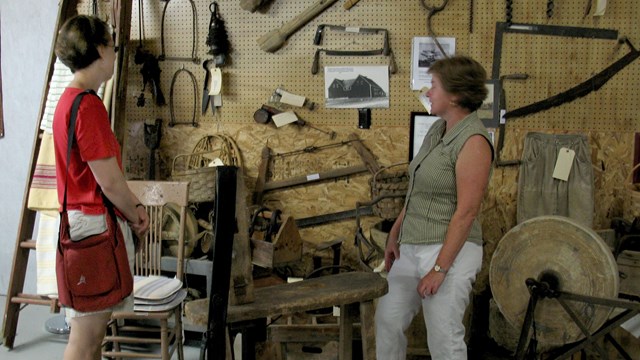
{"x": 273, "y": 40}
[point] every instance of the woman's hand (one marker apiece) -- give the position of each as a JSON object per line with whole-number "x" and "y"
{"x": 391, "y": 252}
{"x": 430, "y": 283}
{"x": 142, "y": 226}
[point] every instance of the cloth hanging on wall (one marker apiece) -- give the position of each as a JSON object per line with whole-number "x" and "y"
{"x": 60, "y": 79}
{"x": 539, "y": 193}
{"x": 46, "y": 245}
{"x": 43, "y": 194}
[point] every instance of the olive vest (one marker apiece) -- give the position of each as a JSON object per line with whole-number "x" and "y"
{"x": 432, "y": 196}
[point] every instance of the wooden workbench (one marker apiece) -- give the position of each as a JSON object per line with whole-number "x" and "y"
{"x": 346, "y": 290}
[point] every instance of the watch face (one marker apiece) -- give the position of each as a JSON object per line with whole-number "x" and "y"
{"x": 437, "y": 268}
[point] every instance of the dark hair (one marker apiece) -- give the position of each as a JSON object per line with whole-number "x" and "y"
{"x": 78, "y": 39}
{"x": 464, "y": 77}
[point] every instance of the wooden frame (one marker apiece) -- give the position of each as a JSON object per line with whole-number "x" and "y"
{"x": 420, "y": 124}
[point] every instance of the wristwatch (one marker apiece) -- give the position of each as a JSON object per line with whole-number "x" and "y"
{"x": 438, "y": 268}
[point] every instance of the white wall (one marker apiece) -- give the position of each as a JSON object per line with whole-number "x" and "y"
{"x": 27, "y": 31}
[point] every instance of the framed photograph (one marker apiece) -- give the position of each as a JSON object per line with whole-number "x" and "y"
{"x": 424, "y": 52}
{"x": 356, "y": 86}
{"x": 420, "y": 124}
{"x": 489, "y": 111}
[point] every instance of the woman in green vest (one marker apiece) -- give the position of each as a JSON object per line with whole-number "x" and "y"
{"x": 434, "y": 249}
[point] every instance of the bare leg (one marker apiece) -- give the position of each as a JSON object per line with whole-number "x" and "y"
{"x": 85, "y": 339}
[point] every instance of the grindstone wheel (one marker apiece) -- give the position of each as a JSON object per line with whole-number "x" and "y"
{"x": 573, "y": 254}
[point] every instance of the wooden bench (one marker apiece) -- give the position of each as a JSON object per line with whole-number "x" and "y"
{"x": 350, "y": 291}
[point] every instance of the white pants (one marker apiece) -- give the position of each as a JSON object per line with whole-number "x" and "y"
{"x": 443, "y": 312}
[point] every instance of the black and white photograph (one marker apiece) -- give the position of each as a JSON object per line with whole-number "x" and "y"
{"x": 356, "y": 86}
{"x": 488, "y": 111}
{"x": 424, "y": 52}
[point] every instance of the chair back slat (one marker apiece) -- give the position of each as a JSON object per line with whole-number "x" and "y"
{"x": 155, "y": 195}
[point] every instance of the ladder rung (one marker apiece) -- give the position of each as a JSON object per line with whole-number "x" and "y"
{"x": 28, "y": 244}
{"x": 33, "y": 300}
{"x": 131, "y": 340}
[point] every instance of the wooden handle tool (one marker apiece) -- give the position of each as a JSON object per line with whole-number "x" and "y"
{"x": 273, "y": 40}
{"x": 349, "y": 4}
{"x": 250, "y": 5}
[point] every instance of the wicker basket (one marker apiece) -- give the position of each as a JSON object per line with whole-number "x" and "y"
{"x": 386, "y": 182}
{"x": 632, "y": 195}
{"x": 194, "y": 167}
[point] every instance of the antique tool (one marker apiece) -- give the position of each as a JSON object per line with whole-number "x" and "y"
{"x": 262, "y": 185}
{"x": 152, "y": 136}
{"x": 150, "y": 68}
{"x": 194, "y": 32}
{"x": 317, "y": 39}
{"x": 316, "y": 58}
{"x": 217, "y": 39}
{"x": 251, "y": 5}
{"x": 592, "y": 84}
{"x": 534, "y": 29}
{"x": 349, "y": 4}
{"x": 280, "y": 95}
{"x": 273, "y": 40}
{"x": 212, "y": 77}
{"x": 263, "y": 116}
{"x": 508, "y": 12}
{"x": 550, "y": 7}
{"x": 561, "y": 278}
{"x": 195, "y": 99}
{"x": 432, "y": 10}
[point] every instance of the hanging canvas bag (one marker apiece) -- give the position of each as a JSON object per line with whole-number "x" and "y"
{"x": 93, "y": 273}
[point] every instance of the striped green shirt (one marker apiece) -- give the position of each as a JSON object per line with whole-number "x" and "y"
{"x": 432, "y": 196}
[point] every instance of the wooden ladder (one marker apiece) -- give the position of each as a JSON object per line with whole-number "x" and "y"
{"x": 24, "y": 245}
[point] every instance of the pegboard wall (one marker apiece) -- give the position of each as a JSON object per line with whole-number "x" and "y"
{"x": 553, "y": 64}
{"x": 252, "y": 75}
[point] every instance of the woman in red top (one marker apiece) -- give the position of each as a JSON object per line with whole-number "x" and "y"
{"x": 85, "y": 45}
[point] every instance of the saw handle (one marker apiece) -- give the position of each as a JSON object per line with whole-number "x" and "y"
{"x": 273, "y": 40}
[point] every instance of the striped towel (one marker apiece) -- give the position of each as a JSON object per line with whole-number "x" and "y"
{"x": 46, "y": 245}
{"x": 154, "y": 287}
{"x": 60, "y": 79}
{"x": 177, "y": 298}
{"x": 43, "y": 194}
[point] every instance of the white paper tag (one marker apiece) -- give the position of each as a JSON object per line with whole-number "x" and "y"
{"x": 284, "y": 118}
{"x": 563, "y": 164}
{"x": 502, "y": 118}
{"x": 312, "y": 177}
{"x": 352, "y": 29}
{"x": 216, "y": 82}
{"x": 601, "y": 6}
{"x": 291, "y": 99}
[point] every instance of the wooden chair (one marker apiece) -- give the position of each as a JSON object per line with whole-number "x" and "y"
{"x": 125, "y": 326}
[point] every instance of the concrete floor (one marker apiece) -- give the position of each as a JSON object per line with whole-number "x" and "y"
{"x": 34, "y": 342}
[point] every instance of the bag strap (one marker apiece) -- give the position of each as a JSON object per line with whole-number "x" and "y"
{"x": 71, "y": 137}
